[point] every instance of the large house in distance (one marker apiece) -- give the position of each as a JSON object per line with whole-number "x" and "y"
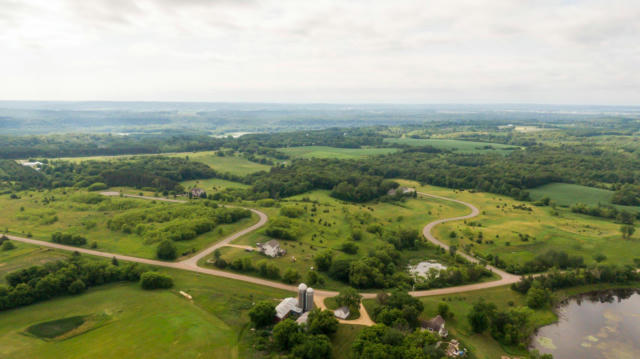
{"x": 198, "y": 193}
{"x": 296, "y": 307}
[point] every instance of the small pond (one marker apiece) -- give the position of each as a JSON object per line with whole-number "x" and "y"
{"x": 594, "y": 325}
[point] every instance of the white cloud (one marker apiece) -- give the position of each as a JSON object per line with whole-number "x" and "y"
{"x": 323, "y": 51}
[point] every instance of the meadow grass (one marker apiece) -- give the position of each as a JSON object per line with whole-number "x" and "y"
{"x": 333, "y": 222}
{"x": 566, "y": 194}
{"x": 334, "y": 152}
{"x": 25, "y": 255}
{"x": 30, "y": 215}
{"x": 143, "y": 324}
{"x": 233, "y": 164}
{"x": 502, "y": 225}
{"x": 454, "y": 145}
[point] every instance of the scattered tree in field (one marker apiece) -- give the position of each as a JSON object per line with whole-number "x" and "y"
{"x": 480, "y": 316}
{"x": 322, "y": 322}
{"x": 323, "y": 260}
{"x": 313, "y": 347}
{"x": 349, "y": 297}
{"x": 262, "y": 314}
{"x": 599, "y": 257}
{"x": 7, "y": 246}
{"x": 287, "y": 334}
{"x": 453, "y": 250}
{"x": 627, "y": 231}
{"x": 349, "y": 247}
{"x": 291, "y": 276}
{"x": 76, "y": 287}
{"x": 444, "y": 311}
{"x": 167, "y": 250}
{"x": 153, "y": 280}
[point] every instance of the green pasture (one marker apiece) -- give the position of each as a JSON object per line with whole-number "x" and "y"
{"x": 566, "y": 194}
{"x": 30, "y": 215}
{"x": 233, "y": 164}
{"x": 333, "y": 222}
{"x": 25, "y": 255}
{"x": 454, "y": 145}
{"x": 138, "y": 323}
{"x": 548, "y": 228}
{"x": 334, "y": 152}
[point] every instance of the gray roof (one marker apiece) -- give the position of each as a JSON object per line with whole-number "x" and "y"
{"x": 434, "y": 323}
{"x": 287, "y": 306}
{"x": 342, "y": 312}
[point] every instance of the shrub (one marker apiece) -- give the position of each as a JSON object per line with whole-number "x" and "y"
{"x": 153, "y": 280}
{"x": 291, "y": 212}
{"x": 7, "y": 246}
{"x": 167, "y": 250}
{"x": 323, "y": 260}
{"x": 262, "y": 314}
{"x": 76, "y": 287}
{"x": 98, "y": 186}
{"x": 291, "y": 276}
{"x": 73, "y": 240}
{"x": 349, "y": 247}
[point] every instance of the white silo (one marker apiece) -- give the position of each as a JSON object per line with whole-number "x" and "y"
{"x": 308, "y": 303}
{"x": 302, "y": 293}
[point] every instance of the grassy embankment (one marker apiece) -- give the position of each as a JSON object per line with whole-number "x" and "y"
{"x": 566, "y": 194}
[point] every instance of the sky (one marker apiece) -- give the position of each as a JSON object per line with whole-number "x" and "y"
{"x": 349, "y": 51}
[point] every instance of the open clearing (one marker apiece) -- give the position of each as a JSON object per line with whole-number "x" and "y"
{"x": 143, "y": 324}
{"x": 34, "y": 213}
{"x": 334, "y": 152}
{"x": 501, "y": 223}
{"x": 454, "y": 145}
{"x": 233, "y": 164}
{"x": 332, "y": 222}
{"x": 566, "y": 194}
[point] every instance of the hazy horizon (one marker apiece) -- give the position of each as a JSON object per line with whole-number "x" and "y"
{"x": 357, "y": 52}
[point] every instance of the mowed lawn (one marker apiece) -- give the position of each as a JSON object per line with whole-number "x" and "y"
{"x": 454, "y": 145}
{"x": 502, "y": 225}
{"x": 143, "y": 324}
{"x": 334, "y": 152}
{"x": 332, "y": 223}
{"x": 32, "y": 215}
{"x": 566, "y": 194}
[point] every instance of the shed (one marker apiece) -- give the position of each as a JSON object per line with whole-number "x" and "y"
{"x": 342, "y": 312}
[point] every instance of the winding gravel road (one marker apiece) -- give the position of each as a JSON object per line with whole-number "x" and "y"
{"x": 191, "y": 264}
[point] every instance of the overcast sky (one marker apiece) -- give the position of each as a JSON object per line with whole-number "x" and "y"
{"x": 394, "y": 51}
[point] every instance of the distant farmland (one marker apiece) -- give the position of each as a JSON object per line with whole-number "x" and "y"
{"x": 454, "y": 145}
{"x": 565, "y": 194}
{"x": 334, "y": 152}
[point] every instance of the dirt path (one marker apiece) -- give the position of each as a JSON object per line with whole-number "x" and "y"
{"x": 191, "y": 264}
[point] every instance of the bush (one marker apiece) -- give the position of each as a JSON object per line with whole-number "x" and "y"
{"x": 98, "y": 186}
{"x": 153, "y": 280}
{"x": 262, "y": 314}
{"x": 323, "y": 260}
{"x": 291, "y": 212}
{"x": 7, "y": 246}
{"x": 291, "y": 276}
{"x": 76, "y": 287}
{"x": 72, "y": 240}
{"x": 349, "y": 247}
{"x": 167, "y": 250}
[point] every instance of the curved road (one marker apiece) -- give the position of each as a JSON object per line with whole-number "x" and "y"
{"x": 191, "y": 264}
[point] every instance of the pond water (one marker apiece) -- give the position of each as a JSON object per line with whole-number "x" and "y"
{"x": 594, "y": 325}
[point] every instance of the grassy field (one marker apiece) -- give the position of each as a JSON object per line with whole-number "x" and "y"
{"x": 454, "y": 145}
{"x": 31, "y": 214}
{"x": 232, "y": 164}
{"x": 142, "y": 324}
{"x": 501, "y": 223}
{"x": 334, "y": 152}
{"x": 332, "y": 223}
{"x": 25, "y": 255}
{"x": 565, "y": 194}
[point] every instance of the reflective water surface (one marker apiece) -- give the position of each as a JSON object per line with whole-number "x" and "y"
{"x": 594, "y": 325}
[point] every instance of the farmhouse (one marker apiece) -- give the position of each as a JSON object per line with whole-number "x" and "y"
{"x": 271, "y": 248}
{"x": 435, "y": 325}
{"x": 35, "y": 165}
{"x": 296, "y": 307}
{"x": 198, "y": 193}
